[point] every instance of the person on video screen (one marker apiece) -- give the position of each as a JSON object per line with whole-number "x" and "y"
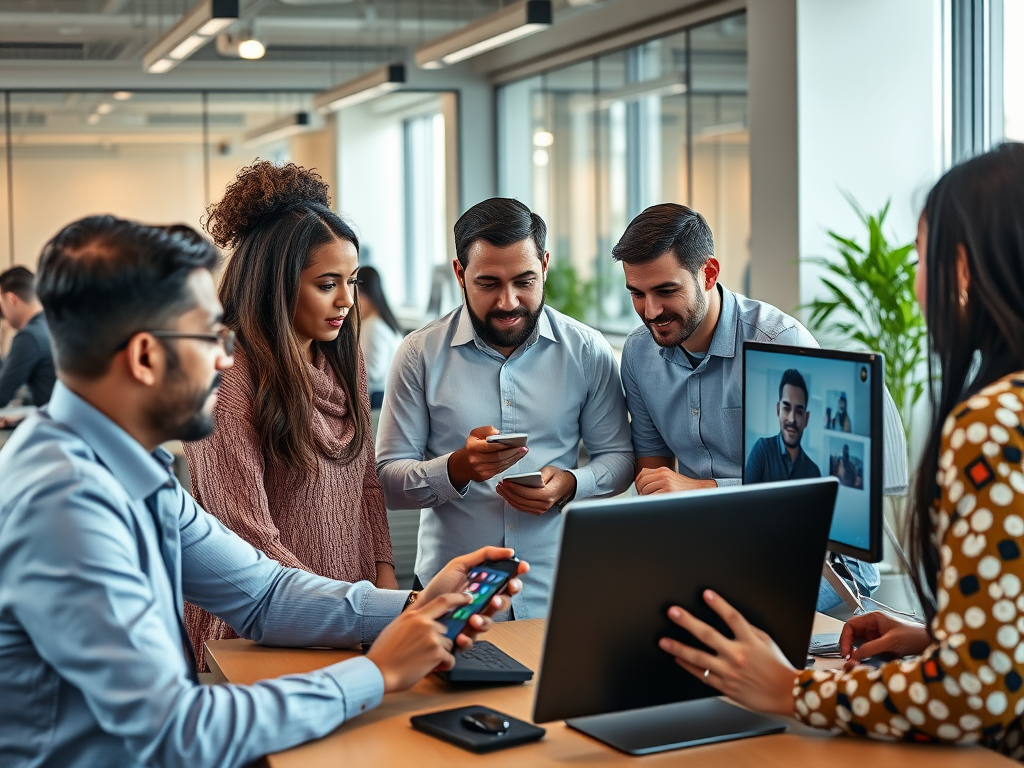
{"x": 780, "y": 456}
{"x": 846, "y": 470}
{"x": 841, "y": 421}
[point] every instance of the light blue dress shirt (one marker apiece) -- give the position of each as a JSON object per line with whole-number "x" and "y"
{"x": 92, "y": 668}
{"x": 562, "y": 385}
{"x": 695, "y": 412}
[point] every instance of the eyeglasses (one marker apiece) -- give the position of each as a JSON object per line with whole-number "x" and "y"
{"x": 225, "y": 337}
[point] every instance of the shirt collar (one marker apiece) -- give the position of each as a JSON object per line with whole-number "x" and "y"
{"x": 723, "y": 342}
{"x": 139, "y": 472}
{"x": 782, "y": 450}
{"x": 465, "y": 333}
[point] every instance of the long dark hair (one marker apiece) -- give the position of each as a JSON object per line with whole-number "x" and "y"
{"x": 978, "y": 206}
{"x": 275, "y": 217}
{"x": 370, "y": 288}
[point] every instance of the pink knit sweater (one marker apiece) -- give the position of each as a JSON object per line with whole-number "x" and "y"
{"x": 331, "y": 522}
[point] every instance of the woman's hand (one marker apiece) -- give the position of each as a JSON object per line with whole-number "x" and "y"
{"x": 883, "y": 634}
{"x": 750, "y": 670}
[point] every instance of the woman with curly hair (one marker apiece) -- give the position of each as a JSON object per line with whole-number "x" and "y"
{"x": 290, "y": 466}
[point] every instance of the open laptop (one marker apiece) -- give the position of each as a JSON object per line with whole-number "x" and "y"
{"x": 625, "y": 561}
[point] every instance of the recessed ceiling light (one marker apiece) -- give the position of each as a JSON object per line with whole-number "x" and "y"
{"x": 105, "y": 108}
{"x": 123, "y": 95}
{"x": 92, "y": 119}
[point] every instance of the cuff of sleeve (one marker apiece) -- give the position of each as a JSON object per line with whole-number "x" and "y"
{"x": 436, "y": 471}
{"x": 586, "y": 483}
{"x": 360, "y": 683}
{"x": 380, "y": 607}
{"x": 725, "y": 482}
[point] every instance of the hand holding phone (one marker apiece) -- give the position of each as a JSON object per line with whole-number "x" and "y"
{"x": 481, "y": 458}
{"x": 485, "y": 581}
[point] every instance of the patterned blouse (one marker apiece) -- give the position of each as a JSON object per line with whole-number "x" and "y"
{"x": 967, "y": 686}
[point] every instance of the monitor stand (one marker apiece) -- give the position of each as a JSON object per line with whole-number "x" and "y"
{"x": 847, "y": 595}
{"x": 674, "y": 726}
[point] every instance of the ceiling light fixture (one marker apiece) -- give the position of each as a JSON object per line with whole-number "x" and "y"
{"x": 195, "y": 29}
{"x": 105, "y": 108}
{"x": 123, "y": 95}
{"x": 92, "y": 119}
{"x": 511, "y": 23}
{"x": 289, "y": 125}
{"x": 543, "y": 139}
{"x": 375, "y": 83}
{"x": 243, "y": 45}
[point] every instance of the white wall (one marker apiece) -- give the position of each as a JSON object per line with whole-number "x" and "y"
{"x": 371, "y": 188}
{"x": 870, "y": 117}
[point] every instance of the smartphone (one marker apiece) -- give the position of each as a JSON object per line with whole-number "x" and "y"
{"x": 529, "y": 479}
{"x": 485, "y": 581}
{"x": 512, "y": 439}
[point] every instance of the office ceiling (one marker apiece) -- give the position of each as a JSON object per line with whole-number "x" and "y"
{"x": 346, "y": 32}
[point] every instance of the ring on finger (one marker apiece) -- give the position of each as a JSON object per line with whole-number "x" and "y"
{"x": 706, "y": 673}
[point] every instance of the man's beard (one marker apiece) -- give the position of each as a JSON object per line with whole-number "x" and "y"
{"x": 688, "y": 324}
{"x": 799, "y": 436}
{"x": 182, "y": 415}
{"x": 495, "y": 337}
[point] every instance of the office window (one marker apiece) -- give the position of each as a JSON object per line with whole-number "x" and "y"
{"x": 590, "y": 145}
{"x": 426, "y": 234}
{"x": 1013, "y": 69}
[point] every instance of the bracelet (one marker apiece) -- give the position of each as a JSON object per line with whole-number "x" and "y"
{"x": 412, "y": 598}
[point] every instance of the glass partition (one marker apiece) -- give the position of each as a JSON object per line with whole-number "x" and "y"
{"x": 590, "y": 145}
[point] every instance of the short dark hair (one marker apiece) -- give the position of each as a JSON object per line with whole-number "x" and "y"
{"x": 793, "y": 378}
{"x": 20, "y": 282}
{"x": 500, "y": 221}
{"x": 663, "y": 228}
{"x": 103, "y": 279}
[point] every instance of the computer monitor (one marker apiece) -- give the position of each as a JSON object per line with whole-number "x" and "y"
{"x": 624, "y": 562}
{"x": 823, "y": 407}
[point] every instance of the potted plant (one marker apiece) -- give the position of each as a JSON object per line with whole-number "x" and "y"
{"x": 566, "y": 292}
{"x": 870, "y": 303}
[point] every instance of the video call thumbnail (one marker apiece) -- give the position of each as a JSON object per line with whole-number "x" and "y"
{"x": 807, "y": 417}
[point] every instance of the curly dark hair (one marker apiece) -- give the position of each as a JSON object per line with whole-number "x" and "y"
{"x": 260, "y": 191}
{"x": 275, "y": 218}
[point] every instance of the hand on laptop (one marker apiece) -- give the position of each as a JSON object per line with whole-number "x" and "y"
{"x": 479, "y": 460}
{"x": 664, "y": 480}
{"x": 558, "y": 484}
{"x": 750, "y": 669}
{"x": 884, "y": 634}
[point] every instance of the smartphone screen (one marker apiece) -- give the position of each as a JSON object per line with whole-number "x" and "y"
{"x": 485, "y": 581}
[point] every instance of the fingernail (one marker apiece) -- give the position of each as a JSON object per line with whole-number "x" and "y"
{"x": 709, "y": 595}
{"x": 847, "y": 657}
{"x": 675, "y": 613}
{"x": 664, "y": 644}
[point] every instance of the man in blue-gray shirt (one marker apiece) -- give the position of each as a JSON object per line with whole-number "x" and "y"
{"x": 99, "y": 544}
{"x": 683, "y": 370}
{"x": 29, "y": 360}
{"x": 781, "y": 457}
{"x": 503, "y": 362}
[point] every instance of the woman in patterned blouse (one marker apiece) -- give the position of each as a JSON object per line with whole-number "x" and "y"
{"x": 961, "y": 678}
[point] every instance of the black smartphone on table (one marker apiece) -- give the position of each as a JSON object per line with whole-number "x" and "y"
{"x": 485, "y": 581}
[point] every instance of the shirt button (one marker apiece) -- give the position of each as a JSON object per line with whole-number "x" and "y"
{"x": 508, "y": 402}
{"x": 695, "y": 411}
{"x": 511, "y": 527}
{"x": 362, "y": 707}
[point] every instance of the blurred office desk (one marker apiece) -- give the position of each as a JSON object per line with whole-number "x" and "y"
{"x": 383, "y": 737}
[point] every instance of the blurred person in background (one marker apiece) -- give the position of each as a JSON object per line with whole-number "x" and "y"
{"x": 379, "y": 332}
{"x": 30, "y": 361}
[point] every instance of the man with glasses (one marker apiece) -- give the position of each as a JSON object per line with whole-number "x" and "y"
{"x": 100, "y": 546}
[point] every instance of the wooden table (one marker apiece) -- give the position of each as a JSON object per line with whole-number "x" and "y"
{"x": 383, "y": 737}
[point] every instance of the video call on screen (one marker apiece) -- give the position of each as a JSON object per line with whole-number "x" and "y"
{"x": 836, "y": 437}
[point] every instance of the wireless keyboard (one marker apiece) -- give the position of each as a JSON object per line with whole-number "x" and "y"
{"x": 485, "y": 663}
